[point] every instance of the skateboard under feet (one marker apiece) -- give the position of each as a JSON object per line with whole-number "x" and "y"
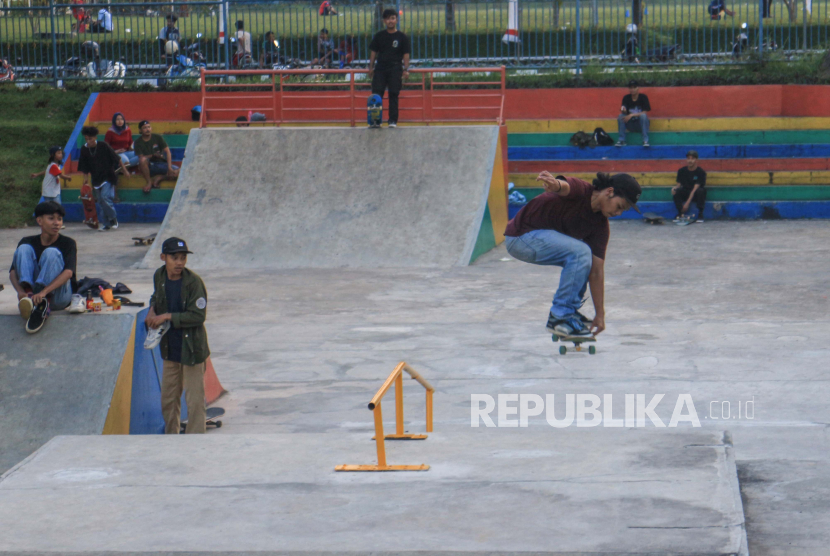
{"x": 577, "y": 342}
{"x": 212, "y": 415}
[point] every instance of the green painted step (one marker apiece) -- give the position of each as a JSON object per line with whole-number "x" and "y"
{"x": 717, "y": 194}
{"x": 771, "y": 137}
{"x": 124, "y": 196}
{"x": 177, "y": 140}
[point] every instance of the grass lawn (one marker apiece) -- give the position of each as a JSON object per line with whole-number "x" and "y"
{"x": 30, "y": 122}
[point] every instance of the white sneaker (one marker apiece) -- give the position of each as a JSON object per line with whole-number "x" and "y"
{"x": 115, "y": 226}
{"x": 77, "y": 305}
{"x": 154, "y": 335}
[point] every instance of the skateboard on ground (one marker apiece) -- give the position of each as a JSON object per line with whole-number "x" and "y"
{"x": 653, "y": 218}
{"x": 146, "y": 240}
{"x": 374, "y": 111}
{"x": 212, "y": 415}
{"x": 90, "y": 212}
{"x": 577, "y": 342}
{"x": 685, "y": 220}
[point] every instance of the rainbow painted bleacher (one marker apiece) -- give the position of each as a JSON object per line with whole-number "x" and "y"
{"x": 766, "y": 149}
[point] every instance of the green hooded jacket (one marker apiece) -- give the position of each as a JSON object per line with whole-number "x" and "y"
{"x": 192, "y": 321}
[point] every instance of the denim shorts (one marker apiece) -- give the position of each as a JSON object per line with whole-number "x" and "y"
{"x": 158, "y": 168}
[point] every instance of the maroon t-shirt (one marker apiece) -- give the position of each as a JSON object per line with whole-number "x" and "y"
{"x": 570, "y": 214}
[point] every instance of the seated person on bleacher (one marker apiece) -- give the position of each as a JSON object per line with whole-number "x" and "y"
{"x": 120, "y": 138}
{"x": 155, "y": 158}
{"x": 633, "y": 114}
{"x": 690, "y": 186}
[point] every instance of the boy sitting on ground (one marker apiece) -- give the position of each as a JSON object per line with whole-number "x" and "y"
{"x": 180, "y": 298}
{"x": 43, "y": 268}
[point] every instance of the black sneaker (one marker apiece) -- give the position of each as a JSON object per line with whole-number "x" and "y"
{"x": 573, "y": 326}
{"x": 38, "y": 317}
{"x": 583, "y": 318}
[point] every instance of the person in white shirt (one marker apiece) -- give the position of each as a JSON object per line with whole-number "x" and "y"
{"x": 51, "y": 188}
{"x": 243, "y": 45}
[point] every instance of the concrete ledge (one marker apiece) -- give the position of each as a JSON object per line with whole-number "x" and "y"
{"x": 489, "y": 491}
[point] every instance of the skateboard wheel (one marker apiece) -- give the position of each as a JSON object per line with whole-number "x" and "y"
{"x": 218, "y": 424}
{"x": 592, "y": 349}
{"x": 563, "y": 350}
{"x": 555, "y": 338}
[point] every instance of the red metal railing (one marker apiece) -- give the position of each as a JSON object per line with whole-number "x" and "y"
{"x": 283, "y": 101}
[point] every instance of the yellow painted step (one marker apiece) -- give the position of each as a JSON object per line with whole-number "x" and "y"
{"x": 662, "y": 179}
{"x": 131, "y": 182}
{"x": 669, "y": 124}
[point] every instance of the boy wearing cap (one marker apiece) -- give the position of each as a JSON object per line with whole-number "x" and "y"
{"x": 690, "y": 186}
{"x": 180, "y": 297}
{"x": 567, "y": 226}
{"x": 43, "y": 268}
{"x": 633, "y": 114}
{"x": 155, "y": 161}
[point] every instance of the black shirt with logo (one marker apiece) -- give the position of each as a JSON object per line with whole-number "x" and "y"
{"x": 173, "y": 292}
{"x": 632, "y": 106}
{"x": 688, "y": 179}
{"x": 390, "y": 48}
{"x": 67, "y": 247}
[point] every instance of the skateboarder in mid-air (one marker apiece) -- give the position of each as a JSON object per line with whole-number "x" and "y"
{"x": 390, "y": 48}
{"x": 567, "y": 226}
{"x": 180, "y": 298}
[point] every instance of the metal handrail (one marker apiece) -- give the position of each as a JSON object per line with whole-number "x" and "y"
{"x": 396, "y": 378}
{"x": 276, "y": 87}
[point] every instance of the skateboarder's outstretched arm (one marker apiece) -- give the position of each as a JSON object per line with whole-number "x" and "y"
{"x": 596, "y": 280}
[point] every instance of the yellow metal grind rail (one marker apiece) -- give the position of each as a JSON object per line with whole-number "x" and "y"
{"x": 397, "y": 378}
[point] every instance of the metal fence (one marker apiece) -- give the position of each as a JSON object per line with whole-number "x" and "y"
{"x": 58, "y": 42}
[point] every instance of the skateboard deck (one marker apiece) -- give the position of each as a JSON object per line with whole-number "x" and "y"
{"x": 374, "y": 111}
{"x": 577, "y": 342}
{"x": 685, "y": 221}
{"x": 90, "y": 212}
{"x": 212, "y": 415}
{"x": 653, "y": 218}
{"x": 146, "y": 240}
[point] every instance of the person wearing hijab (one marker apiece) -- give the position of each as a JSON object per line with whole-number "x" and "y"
{"x": 120, "y": 138}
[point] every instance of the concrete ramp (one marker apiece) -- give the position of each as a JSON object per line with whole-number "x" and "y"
{"x": 62, "y": 380}
{"x": 338, "y": 197}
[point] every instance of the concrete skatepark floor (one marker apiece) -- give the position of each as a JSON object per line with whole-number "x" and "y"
{"x": 725, "y": 312}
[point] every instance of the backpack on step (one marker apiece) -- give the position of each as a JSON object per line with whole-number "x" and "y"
{"x": 602, "y": 138}
{"x": 581, "y": 139}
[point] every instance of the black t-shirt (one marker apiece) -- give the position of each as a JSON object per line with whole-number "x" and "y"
{"x": 390, "y": 48}
{"x": 632, "y": 107}
{"x": 687, "y": 179}
{"x": 173, "y": 291}
{"x": 67, "y": 247}
{"x": 100, "y": 162}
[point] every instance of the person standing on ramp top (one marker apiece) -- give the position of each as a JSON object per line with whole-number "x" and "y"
{"x": 390, "y": 48}
{"x": 567, "y": 226}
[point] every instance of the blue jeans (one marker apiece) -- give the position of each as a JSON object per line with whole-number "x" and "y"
{"x": 129, "y": 158}
{"x": 40, "y": 273}
{"x": 549, "y": 247}
{"x": 105, "y": 202}
{"x": 639, "y": 123}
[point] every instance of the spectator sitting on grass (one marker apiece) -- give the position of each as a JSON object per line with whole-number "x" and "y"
{"x": 717, "y": 8}
{"x": 633, "y": 114}
{"x": 327, "y": 9}
{"x": 43, "y": 268}
{"x": 155, "y": 158}
{"x": 104, "y": 23}
{"x": 98, "y": 162}
{"x": 51, "y": 188}
{"x": 690, "y": 186}
{"x": 120, "y": 138}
